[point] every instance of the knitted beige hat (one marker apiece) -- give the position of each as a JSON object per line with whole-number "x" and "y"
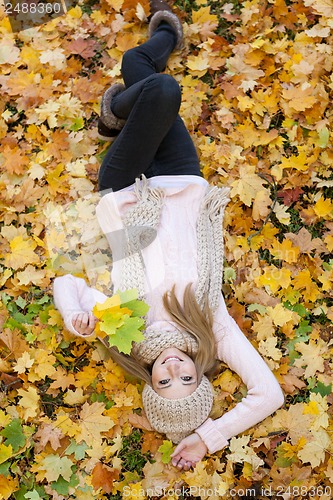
{"x": 177, "y": 418}
{"x": 159, "y": 336}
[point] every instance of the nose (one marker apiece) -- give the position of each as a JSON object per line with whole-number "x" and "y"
{"x": 173, "y": 368}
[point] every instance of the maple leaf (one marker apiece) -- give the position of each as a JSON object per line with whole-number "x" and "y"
{"x": 166, "y": 449}
{"x": 14, "y": 435}
{"x": 312, "y": 357}
{"x": 22, "y": 252}
{"x": 103, "y": 477}
{"x": 28, "y": 402}
{"x": 48, "y": 433}
{"x": 23, "y": 363}
{"x": 289, "y": 196}
{"x": 121, "y": 324}
{"x": 13, "y": 161}
{"x": 84, "y": 47}
{"x": 303, "y": 240}
{"x": 247, "y": 186}
{"x": 9, "y": 52}
{"x": 54, "y": 466}
{"x": 93, "y": 423}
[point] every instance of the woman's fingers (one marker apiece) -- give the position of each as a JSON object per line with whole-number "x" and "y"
{"x": 185, "y": 464}
{"x": 84, "y": 323}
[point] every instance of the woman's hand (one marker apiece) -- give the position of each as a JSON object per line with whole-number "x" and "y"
{"x": 189, "y": 451}
{"x": 84, "y": 323}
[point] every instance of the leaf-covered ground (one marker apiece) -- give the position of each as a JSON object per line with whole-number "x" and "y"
{"x": 257, "y": 90}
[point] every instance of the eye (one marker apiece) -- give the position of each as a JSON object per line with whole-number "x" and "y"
{"x": 187, "y": 378}
{"x": 164, "y": 382}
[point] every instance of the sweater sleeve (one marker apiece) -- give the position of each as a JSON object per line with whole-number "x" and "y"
{"x": 264, "y": 395}
{"x": 73, "y": 296}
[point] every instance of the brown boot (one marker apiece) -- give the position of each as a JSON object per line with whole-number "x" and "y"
{"x": 109, "y": 125}
{"x": 161, "y": 11}
{"x": 157, "y": 5}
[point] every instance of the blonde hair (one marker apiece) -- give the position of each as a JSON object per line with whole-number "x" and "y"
{"x": 190, "y": 317}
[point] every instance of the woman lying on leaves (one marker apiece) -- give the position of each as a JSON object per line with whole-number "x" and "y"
{"x": 173, "y": 255}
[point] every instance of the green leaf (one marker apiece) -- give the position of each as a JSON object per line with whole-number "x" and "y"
{"x": 304, "y": 327}
{"x": 257, "y": 307}
{"x": 79, "y": 450}
{"x": 139, "y": 307}
{"x": 61, "y": 486}
{"x": 324, "y": 136}
{"x": 33, "y": 495}
{"x": 322, "y": 389}
{"x": 229, "y": 274}
{"x": 4, "y": 469}
{"x": 128, "y": 295}
{"x": 14, "y": 434}
{"x": 129, "y": 299}
{"x": 20, "y": 302}
{"x": 77, "y": 125}
{"x": 127, "y": 334}
{"x": 166, "y": 449}
{"x": 110, "y": 323}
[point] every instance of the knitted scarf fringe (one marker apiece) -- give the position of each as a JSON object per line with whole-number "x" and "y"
{"x": 141, "y": 223}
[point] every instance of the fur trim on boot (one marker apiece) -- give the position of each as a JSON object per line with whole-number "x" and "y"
{"x": 170, "y": 18}
{"x": 109, "y": 125}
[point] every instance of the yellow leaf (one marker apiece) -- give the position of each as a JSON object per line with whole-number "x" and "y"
{"x": 303, "y": 281}
{"x": 75, "y": 397}
{"x": 269, "y": 350}
{"x": 43, "y": 366}
{"x": 66, "y": 425}
{"x": 22, "y": 253}
{"x": 203, "y": 15}
{"x": 329, "y": 242}
{"x": 261, "y": 205}
{"x": 76, "y": 12}
{"x": 93, "y": 423}
{"x": 281, "y": 213}
{"x": 285, "y": 251}
{"x": 28, "y": 402}
{"x": 31, "y": 275}
{"x": 299, "y": 162}
{"x": 227, "y": 381}
{"x": 4, "y": 419}
{"x": 7, "y": 486}
{"x": 23, "y": 363}
{"x": 241, "y": 452}
{"x": 247, "y": 186}
{"x": 55, "y": 466}
{"x": 274, "y": 278}
{"x": 5, "y": 452}
{"x": 198, "y": 64}
{"x": 314, "y": 451}
{"x": 323, "y": 207}
{"x": 280, "y": 315}
{"x": 312, "y": 357}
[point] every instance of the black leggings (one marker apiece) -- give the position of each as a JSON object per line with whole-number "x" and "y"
{"x": 154, "y": 140}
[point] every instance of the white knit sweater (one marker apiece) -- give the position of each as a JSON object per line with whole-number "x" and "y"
{"x": 171, "y": 258}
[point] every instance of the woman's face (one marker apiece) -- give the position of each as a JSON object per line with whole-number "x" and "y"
{"x": 174, "y": 374}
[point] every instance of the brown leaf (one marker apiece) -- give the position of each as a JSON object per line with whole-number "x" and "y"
{"x": 14, "y": 161}
{"x": 289, "y": 196}
{"x": 140, "y": 422}
{"x": 103, "y": 477}
{"x": 84, "y": 47}
{"x": 304, "y": 241}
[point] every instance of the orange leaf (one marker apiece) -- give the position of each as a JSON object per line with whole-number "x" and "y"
{"x": 103, "y": 477}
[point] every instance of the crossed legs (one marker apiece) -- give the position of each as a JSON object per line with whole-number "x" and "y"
{"x": 154, "y": 140}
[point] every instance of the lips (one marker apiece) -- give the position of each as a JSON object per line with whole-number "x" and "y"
{"x": 171, "y": 358}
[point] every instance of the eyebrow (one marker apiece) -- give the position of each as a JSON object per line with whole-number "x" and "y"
{"x": 166, "y": 386}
